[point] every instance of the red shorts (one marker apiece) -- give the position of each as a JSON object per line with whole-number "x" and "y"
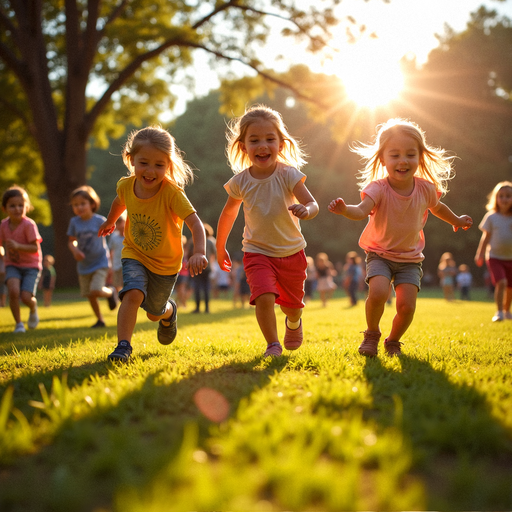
{"x": 499, "y": 270}
{"x": 284, "y": 277}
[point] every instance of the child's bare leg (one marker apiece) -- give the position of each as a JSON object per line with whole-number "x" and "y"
{"x": 499, "y": 294}
{"x": 293, "y": 316}
{"x": 13, "y": 287}
{"x": 127, "y": 314}
{"x": 266, "y": 316}
{"x": 508, "y": 299}
{"x": 105, "y": 292}
{"x": 93, "y": 300}
{"x": 166, "y": 316}
{"x": 29, "y": 300}
{"x": 376, "y": 301}
{"x": 406, "y": 295}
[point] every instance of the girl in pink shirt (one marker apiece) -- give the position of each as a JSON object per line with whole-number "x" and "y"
{"x": 23, "y": 258}
{"x": 403, "y": 179}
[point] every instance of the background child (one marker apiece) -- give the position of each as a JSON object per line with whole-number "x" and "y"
{"x": 22, "y": 245}
{"x": 352, "y": 275}
{"x": 115, "y": 245}
{"x": 90, "y": 252}
{"x": 156, "y": 207}
{"x": 48, "y": 279}
{"x": 182, "y": 284}
{"x": 266, "y": 162}
{"x": 402, "y": 174}
{"x": 325, "y": 277}
{"x": 311, "y": 282}
{"x": 495, "y": 247}
{"x": 202, "y": 281}
{"x": 447, "y": 272}
{"x": 464, "y": 281}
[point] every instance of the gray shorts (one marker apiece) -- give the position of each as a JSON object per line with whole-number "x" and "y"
{"x": 157, "y": 289}
{"x": 29, "y": 277}
{"x": 397, "y": 273}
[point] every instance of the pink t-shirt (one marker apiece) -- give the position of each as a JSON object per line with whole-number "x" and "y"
{"x": 395, "y": 225}
{"x": 26, "y": 232}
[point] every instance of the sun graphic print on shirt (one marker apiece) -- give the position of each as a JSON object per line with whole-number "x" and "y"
{"x": 146, "y": 232}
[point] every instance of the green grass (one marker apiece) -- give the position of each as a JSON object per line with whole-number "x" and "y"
{"x": 319, "y": 429}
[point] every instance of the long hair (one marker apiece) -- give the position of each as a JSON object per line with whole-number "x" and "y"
{"x": 435, "y": 165}
{"x": 179, "y": 171}
{"x": 292, "y": 153}
{"x": 492, "y": 203}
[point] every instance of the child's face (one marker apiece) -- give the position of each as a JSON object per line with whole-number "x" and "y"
{"x": 82, "y": 207}
{"x": 262, "y": 145}
{"x": 150, "y": 167}
{"x": 16, "y": 208}
{"x": 504, "y": 200}
{"x": 401, "y": 157}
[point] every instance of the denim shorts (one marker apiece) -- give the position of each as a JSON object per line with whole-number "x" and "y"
{"x": 29, "y": 277}
{"x": 157, "y": 289}
{"x": 396, "y": 272}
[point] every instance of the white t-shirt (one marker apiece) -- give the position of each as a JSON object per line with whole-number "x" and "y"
{"x": 499, "y": 226}
{"x": 270, "y": 228}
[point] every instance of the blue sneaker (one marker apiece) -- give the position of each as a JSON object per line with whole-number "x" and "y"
{"x": 167, "y": 333}
{"x": 122, "y": 352}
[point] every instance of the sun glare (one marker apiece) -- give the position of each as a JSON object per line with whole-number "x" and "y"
{"x": 370, "y": 75}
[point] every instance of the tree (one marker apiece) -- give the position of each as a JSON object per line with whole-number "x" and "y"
{"x": 51, "y": 53}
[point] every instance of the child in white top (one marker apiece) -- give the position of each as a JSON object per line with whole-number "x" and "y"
{"x": 152, "y": 256}
{"x": 402, "y": 181}
{"x": 23, "y": 257}
{"x": 266, "y": 162}
{"x": 496, "y": 247}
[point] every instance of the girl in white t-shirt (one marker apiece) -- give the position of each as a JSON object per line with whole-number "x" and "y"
{"x": 496, "y": 247}
{"x": 401, "y": 182}
{"x": 266, "y": 162}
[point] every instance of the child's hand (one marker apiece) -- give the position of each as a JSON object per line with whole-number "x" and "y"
{"x": 479, "y": 260}
{"x": 464, "y": 222}
{"x": 107, "y": 228}
{"x": 224, "y": 260}
{"x": 196, "y": 264}
{"x": 337, "y": 206}
{"x": 78, "y": 255}
{"x": 12, "y": 245}
{"x": 299, "y": 210}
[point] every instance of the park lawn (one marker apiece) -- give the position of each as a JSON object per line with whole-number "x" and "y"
{"x": 322, "y": 428}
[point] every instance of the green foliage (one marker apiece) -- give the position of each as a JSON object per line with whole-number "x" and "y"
{"x": 321, "y": 428}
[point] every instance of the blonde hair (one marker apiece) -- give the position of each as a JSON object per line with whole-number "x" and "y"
{"x": 89, "y": 194}
{"x": 179, "y": 171}
{"x": 492, "y": 204}
{"x": 16, "y": 191}
{"x": 292, "y": 153}
{"x": 435, "y": 165}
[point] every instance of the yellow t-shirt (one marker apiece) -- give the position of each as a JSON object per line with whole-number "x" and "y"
{"x": 154, "y": 226}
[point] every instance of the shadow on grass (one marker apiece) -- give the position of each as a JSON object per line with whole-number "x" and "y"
{"x": 125, "y": 444}
{"x": 456, "y": 443}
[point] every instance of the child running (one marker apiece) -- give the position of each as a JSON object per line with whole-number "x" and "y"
{"x": 403, "y": 179}
{"x": 23, "y": 257}
{"x": 91, "y": 254}
{"x": 495, "y": 247}
{"x": 266, "y": 162}
{"x": 152, "y": 255}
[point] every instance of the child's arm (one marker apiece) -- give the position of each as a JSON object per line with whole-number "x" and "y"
{"x": 116, "y": 209}
{"x": 444, "y": 213}
{"x": 482, "y": 246}
{"x": 16, "y": 246}
{"x": 197, "y": 261}
{"x": 307, "y": 207}
{"x": 352, "y": 212}
{"x": 226, "y": 220}
{"x": 73, "y": 247}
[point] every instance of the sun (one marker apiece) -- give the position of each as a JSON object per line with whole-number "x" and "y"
{"x": 370, "y": 75}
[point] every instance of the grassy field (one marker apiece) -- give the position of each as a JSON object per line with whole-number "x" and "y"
{"x": 208, "y": 424}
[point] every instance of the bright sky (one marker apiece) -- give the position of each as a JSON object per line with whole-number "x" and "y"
{"x": 402, "y": 27}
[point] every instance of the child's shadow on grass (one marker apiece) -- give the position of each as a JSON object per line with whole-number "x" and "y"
{"x": 127, "y": 443}
{"x": 448, "y": 425}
